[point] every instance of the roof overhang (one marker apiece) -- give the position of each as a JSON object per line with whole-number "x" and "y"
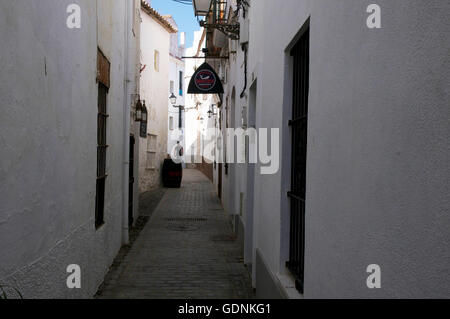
{"x": 201, "y": 7}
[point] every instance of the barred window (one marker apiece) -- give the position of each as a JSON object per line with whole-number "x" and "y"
{"x": 299, "y": 131}
{"x": 101, "y": 155}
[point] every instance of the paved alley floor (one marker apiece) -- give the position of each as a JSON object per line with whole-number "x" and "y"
{"x": 186, "y": 250}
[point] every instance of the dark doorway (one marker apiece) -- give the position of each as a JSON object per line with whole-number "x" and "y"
{"x": 299, "y": 129}
{"x": 131, "y": 183}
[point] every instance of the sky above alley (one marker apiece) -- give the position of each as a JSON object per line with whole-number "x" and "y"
{"x": 183, "y": 15}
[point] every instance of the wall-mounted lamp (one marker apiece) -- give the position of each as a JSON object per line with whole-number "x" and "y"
{"x": 216, "y": 13}
{"x": 143, "y": 118}
{"x": 211, "y": 112}
{"x": 173, "y": 99}
{"x": 141, "y": 114}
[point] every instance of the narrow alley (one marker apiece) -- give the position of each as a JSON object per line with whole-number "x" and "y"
{"x": 224, "y": 149}
{"x": 186, "y": 250}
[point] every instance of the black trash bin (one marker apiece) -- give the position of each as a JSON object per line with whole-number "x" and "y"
{"x": 172, "y": 174}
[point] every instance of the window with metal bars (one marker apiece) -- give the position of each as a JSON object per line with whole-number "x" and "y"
{"x": 299, "y": 129}
{"x": 101, "y": 155}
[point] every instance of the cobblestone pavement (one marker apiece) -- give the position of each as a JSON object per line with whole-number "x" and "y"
{"x": 186, "y": 251}
{"x": 148, "y": 202}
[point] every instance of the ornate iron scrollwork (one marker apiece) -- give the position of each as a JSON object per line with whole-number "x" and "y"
{"x": 230, "y": 30}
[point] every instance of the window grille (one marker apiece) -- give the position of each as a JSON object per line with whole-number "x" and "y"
{"x": 299, "y": 129}
{"x": 101, "y": 155}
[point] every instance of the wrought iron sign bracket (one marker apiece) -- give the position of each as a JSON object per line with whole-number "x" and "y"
{"x": 230, "y": 30}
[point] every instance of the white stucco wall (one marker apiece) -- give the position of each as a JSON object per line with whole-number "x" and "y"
{"x": 49, "y": 138}
{"x": 234, "y": 184}
{"x": 176, "y": 65}
{"x": 154, "y": 88}
{"x": 377, "y": 176}
{"x": 134, "y": 76}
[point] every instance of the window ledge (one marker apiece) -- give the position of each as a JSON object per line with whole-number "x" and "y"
{"x": 99, "y": 226}
{"x": 287, "y": 284}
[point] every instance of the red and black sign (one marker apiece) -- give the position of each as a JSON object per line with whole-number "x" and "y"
{"x": 205, "y": 81}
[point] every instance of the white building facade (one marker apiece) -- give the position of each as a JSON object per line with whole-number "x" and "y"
{"x": 156, "y": 33}
{"x": 61, "y": 78}
{"x": 362, "y": 116}
{"x": 177, "y": 74}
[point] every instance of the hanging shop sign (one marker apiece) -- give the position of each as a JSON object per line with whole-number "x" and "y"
{"x": 143, "y": 130}
{"x": 205, "y": 81}
{"x": 144, "y": 121}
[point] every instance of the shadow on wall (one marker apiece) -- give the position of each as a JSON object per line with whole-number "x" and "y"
{"x": 207, "y": 169}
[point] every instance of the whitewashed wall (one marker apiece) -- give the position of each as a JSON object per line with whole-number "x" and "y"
{"x": 176, "y": 65}
{"x": 377, "y": 180}
{"x": 48, "y": 132}
{"x": 133, "y": 90}
{"x": 154, "y": 88}
{"x": 236, "y": 194}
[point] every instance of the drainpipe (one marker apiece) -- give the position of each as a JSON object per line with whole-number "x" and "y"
{"x": 126, "y": 127}
{"x": 245, "y": 49}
